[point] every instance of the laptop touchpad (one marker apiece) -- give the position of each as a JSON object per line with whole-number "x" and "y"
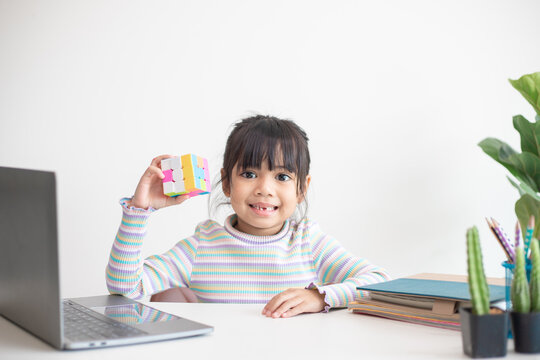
{"x": 134, "y": 314}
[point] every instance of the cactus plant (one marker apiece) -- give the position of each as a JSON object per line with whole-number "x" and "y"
{"x": 526, "y": 317}
{"x": 535, "y": 276}
{"x": 519, "y": 292}
{"x": 477, "y": 279}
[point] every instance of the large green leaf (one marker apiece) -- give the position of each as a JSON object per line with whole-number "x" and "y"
{"x": 525, "y": 207}
{"x": 530, "y": 134}
{"x": 492, "y": 147}
{"x": 529, "y": 86}
{"x": 528, "y": 165}
{"x": 524, "y": 189}
{"x": 504, "y": 155}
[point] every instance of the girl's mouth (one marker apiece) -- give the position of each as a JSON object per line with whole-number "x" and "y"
{"x": 263, "y": 209}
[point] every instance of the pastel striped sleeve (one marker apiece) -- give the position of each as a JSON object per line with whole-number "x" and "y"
{"x": 339, "y": 271}
{"x": 171, "y": 269}
{"x": 129, "y": 275}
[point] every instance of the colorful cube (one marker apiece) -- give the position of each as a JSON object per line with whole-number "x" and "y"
{"x": 186, "y": 174}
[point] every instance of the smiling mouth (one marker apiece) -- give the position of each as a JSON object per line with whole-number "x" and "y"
{"x": 263, "y": 208}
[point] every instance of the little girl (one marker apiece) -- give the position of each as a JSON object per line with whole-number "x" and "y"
{"x": 261, "y": 254}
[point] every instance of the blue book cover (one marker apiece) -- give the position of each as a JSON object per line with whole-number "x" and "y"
{"x": 452, "y": 290}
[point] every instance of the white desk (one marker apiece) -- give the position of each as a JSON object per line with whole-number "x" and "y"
{"x": 241, "y": 332}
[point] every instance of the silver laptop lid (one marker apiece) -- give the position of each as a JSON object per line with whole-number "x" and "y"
{"x": 30, "y": 295}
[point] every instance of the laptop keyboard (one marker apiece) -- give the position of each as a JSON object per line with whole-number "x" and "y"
{"x": 83, "y": 324}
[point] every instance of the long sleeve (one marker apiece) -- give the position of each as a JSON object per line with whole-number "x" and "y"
{"x": 339, "y": 271}
{"x": 129, "y": 275}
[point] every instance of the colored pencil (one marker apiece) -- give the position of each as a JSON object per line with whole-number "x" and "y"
{"x": 500, "y": 239}
{"x": 492, "y": 228}
{"x": 528, "y": 237}
{"x": 505, "y": 240}
{"x": 518, "y": 232}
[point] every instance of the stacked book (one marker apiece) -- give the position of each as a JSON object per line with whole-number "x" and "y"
{"x": 427, "y": 299}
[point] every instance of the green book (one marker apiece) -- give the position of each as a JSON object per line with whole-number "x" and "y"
{"x": 437, "y": 289}
{"x": 427, "y": 299}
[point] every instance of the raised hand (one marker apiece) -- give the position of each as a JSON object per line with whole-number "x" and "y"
{"x": 149, "y": 192}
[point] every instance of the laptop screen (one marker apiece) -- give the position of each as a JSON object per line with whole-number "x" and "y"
{"x": 29, "y": 280}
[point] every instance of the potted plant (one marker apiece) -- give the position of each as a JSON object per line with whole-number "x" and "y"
{"x": 523, "y": 166}
{"x": 525, "y": 297}
{"x": 484, "y": 330}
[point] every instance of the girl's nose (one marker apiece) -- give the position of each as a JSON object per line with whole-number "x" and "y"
{"x": 264, "y": 186}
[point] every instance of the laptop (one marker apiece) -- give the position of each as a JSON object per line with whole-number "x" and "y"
{"x": 30, "y": 284}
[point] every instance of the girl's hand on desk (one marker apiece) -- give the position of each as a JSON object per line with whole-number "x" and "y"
{"x": 293, "y": 302}
{"x": 149, "y": 192}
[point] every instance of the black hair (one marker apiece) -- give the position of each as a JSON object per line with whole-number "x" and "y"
{"x": 266, "y": 138}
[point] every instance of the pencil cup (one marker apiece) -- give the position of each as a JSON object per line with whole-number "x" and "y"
{"x": 509, "y": 275}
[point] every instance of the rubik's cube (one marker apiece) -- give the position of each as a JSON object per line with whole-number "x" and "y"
{"x": 186, "y": 174}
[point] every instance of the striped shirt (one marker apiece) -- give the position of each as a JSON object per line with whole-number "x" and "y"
{"x": 221, "y": 264}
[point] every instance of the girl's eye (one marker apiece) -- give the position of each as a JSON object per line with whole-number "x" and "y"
{"x": 249, "y": 175}
{"x": 283, "y": 177}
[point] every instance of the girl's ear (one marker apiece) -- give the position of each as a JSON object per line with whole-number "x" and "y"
{"x": 301, "y": 197}
{"x": 225, "y": 184}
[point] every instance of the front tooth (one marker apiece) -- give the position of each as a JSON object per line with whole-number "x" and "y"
{"x": 263, "y": 208}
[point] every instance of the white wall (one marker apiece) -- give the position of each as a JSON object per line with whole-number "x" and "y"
{"x": 395, "y": 96}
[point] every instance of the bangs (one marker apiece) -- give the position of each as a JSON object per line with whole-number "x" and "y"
{"x": 277, "y": 152}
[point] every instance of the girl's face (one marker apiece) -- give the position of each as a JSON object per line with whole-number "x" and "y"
{"x": 263, "y": 199}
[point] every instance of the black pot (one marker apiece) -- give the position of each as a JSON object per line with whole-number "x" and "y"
{"x": 526, "y": 330}
{"x": 483, "y": 335}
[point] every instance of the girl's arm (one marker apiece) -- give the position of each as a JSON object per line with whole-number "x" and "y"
{"x": 339, "y": 271}
{"x": 129, "y": 275}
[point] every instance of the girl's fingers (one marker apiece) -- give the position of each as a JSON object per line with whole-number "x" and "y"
{"x": 149, "y": 190}
{"x": 177, "y": 200}
{"x": 157, "y": 160}
{"x": 286, "y": 306}
{"x": 294, "y": 311}
{"x": 276, "y": 301}
{"x": 150, "y": 172}
{"x": 154, "y": 170}
{"x": 181, "y": 199}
